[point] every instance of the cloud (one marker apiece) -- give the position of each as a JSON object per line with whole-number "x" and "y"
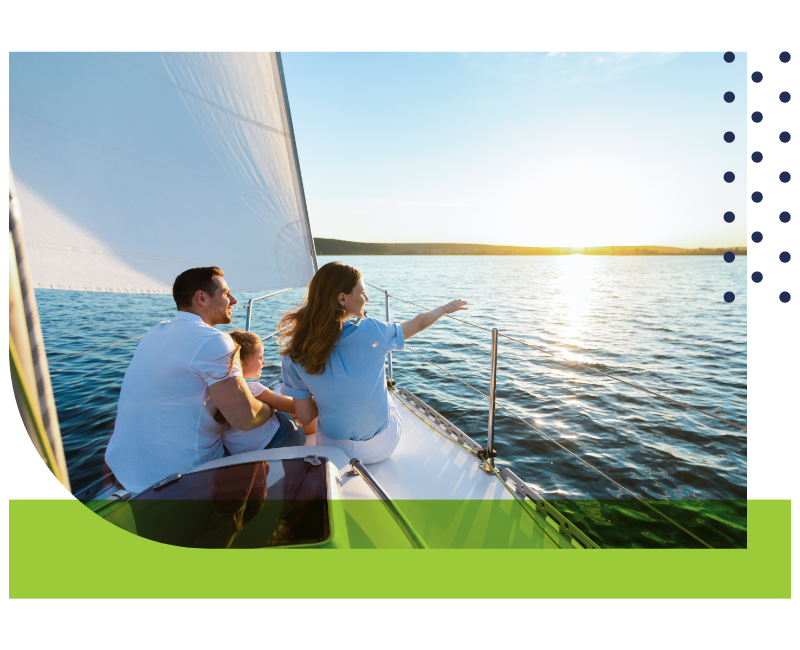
{"x": 558, "y": 54}
{"x": 667, "y": 56}
{"x": 638, "y": 61}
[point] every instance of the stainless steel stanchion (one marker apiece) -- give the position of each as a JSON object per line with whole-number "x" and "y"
{"x": 390, "y": 377}
{"x": 487, "y": 455}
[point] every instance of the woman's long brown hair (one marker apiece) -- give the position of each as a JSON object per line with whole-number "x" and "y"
{"x": 309, "y": 333}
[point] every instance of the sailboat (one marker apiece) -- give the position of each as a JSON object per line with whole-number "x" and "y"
{"x": 130, "y": 168}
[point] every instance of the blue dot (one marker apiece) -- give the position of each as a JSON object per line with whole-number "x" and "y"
{"x": 729, "y": 96}
{"x": 757, "y": 77}
{"x": 757, "y": 157}
{"x": 757, "y": 117}
{"x": 785, "y": 136}
{"x": 729, "y": 296}
{"x": 757, "y": 237}
{"x": 784, "y": 257}
{"x": 729, "y": 216}
{"x": 783, "y": 216}
{"x": 729, "y": 136}
{"x": 729, "y": 177}
{"x": 757, "y": 277}
{"x": 729, "y": 57}
{"x": 757, "y": 197}
{"x": 784, "y": 57}
{"x": 785, "y": 177}
{"x": 784, "y": 97}
{"x": 785, "y": 297}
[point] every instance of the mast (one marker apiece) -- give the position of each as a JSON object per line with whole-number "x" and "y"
{"x": 286, "y": 114}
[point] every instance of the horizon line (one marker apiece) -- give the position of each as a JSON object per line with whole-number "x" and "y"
{"x": 349, "y": 241}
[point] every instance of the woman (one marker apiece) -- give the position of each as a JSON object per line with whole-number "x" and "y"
{"x": 334, "y": 367}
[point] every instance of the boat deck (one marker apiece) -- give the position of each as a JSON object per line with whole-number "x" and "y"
{"x": 435, "y": 482}
{"x": 426, "y": 465}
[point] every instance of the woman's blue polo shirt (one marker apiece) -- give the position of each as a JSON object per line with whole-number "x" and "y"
{"x": 351, "y": 393}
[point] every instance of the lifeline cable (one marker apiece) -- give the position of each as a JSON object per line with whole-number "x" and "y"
{"x": 93, "y": 349}
{"x": 582, "y": 365}
{"x": 69, "y": 356}
{"x": 525, "y": 506}
{"x": 123, "y": 341}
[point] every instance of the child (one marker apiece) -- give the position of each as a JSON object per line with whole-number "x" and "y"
{"x": 250, "y": 352}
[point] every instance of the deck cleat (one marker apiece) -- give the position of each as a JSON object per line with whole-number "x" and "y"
{"x": 352, "y": 471}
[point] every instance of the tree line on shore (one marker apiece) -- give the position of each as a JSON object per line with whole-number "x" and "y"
{"x": 341, "y": 247}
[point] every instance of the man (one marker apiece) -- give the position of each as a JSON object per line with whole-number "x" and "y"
{"x": 180, "y": 374}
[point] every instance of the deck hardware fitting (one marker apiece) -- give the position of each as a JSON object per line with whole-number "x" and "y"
{"x": 312, "y": 460}
{"x": 447, "y": 427}
{"x": 122, "y": 495}
{"x": 170, "y": 479}
{"x": 485, "y": 460}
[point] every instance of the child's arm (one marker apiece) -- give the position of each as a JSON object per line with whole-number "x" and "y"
{"x": 278, "y": 402}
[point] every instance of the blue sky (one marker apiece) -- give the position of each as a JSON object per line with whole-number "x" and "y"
{"x": 541, "y": 149}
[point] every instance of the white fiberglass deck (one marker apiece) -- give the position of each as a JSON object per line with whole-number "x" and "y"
{"x": 425, "y": 465}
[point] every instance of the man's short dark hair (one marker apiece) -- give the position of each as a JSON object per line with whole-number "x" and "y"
{"x": 190, "y": 282}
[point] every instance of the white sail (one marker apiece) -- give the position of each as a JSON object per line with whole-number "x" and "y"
{"x": 131, "y": 168}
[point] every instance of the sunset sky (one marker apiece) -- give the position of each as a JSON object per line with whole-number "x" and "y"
{"x": 543, "y": 149}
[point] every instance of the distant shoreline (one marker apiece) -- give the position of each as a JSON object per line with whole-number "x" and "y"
{"x": 341, "y": 247}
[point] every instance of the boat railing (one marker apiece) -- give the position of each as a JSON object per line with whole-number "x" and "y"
{"x": 519, "y": 488}
{"x": 249, "y": 306}
{"x": 487, "y": 455}
{"x": 565, "y": 360}
{"x": 248, "y": 322}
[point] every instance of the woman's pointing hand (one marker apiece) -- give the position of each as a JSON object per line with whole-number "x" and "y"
{"x": 455, "y": 305}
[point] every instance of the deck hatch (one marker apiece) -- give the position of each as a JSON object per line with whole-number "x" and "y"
{"x": 249, "y": 505}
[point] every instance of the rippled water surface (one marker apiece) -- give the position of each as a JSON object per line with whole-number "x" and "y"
{"x": 659, "y": 322}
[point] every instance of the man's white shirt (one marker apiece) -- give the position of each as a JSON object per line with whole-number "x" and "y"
{"x": 165, "y": 418}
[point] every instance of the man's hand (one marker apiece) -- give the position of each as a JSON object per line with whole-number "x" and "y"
{"x": 428, "y": 318}
{"x": 235, "y": 401}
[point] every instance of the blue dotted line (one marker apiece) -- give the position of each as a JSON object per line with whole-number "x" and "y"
{"x": 729, "y": 177}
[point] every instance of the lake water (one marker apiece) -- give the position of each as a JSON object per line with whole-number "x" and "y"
{"x": 659, "y": 322}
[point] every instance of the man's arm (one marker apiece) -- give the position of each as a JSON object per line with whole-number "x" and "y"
{"x": 305, "y": 410}
{"x": 428, "y": 318}
{"x": 235, "y": 401}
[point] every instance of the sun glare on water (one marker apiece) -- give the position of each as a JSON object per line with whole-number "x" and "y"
{"x": 574, "y": 304}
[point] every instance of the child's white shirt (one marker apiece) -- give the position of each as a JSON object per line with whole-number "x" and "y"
{"x": 237, "y": 441}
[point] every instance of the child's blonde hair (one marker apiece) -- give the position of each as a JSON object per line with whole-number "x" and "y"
{"x": 246, "y": 344}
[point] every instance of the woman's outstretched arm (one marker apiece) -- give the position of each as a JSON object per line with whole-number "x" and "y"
{"x": 428, "y": 318}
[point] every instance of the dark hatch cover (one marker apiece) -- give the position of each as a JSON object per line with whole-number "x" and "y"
{"x": 252, "y": 505}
